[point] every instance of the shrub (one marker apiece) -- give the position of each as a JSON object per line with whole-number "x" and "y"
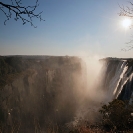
{"x": 117, "y": 115}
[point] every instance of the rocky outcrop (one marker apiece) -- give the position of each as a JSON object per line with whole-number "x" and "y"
{"x": 36, "y": 92}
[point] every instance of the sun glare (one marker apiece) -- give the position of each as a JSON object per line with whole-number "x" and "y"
{"x": 126, "y": 23}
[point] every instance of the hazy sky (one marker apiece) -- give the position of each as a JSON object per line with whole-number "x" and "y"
{"x": 72, "y": 27}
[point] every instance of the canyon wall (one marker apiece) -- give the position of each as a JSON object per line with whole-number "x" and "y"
{"x": 118, "y": 78}
{"x": 37, "y": 93}
{"x": 40, "y": 91}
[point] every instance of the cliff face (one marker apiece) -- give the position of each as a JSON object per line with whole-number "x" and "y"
{"x": 118, "y": 78}
{"x": 36, "y": 92}
{"x": 40, "y": 92}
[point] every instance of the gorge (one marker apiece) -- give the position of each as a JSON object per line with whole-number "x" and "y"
{"x": 40, "y": 92}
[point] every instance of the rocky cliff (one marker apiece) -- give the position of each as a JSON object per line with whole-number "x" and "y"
{"x": 118, "y": 78}
{"x": 37, "y": 92}
{"x": 42, "y": 93}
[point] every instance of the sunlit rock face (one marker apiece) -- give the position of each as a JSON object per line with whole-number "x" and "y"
{"x": 39, "y": 92}
{"x": 118, "y": 80}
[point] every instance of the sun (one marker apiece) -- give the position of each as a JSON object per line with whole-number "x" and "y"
{"x": 126, "y": 23}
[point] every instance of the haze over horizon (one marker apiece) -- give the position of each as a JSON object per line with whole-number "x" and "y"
{"x": 71, "y": 27}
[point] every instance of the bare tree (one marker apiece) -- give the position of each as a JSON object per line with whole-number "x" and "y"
{"x": 18, "y": 11}
{"x": 127, "y": 11}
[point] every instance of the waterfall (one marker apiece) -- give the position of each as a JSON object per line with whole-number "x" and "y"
{"x": 118, "y": 80}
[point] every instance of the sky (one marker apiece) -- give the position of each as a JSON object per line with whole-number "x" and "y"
{"x": 71, "y": 27}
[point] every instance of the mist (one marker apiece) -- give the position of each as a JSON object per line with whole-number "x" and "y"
{"x": 93, "y": 96}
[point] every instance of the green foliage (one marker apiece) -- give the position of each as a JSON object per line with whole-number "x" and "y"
{"x": 117, "y": 115}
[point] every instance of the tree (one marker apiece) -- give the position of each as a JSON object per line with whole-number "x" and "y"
{"x": 117, "y": 115}
{"x": 127, "y": 11}
{"x": 16, "y": 9}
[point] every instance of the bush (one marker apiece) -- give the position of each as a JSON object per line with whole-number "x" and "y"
{"x": 116, "y": 116}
